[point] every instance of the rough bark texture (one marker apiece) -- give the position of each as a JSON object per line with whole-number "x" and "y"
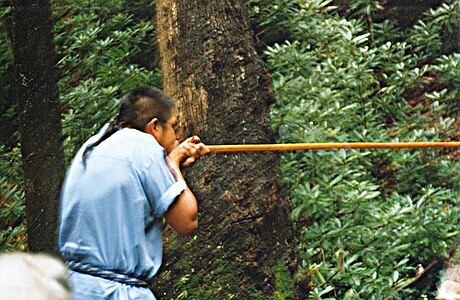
{"x": 223, "y": 91}
{"x": 40, "y": 128}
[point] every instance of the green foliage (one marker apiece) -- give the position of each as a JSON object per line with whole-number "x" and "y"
{"x": 5, "y": 54}
{"x": 426, "y": 36}
{"x": 100, "y": 44}
{"x": 12, "y": 202}
{"x": 8, "y": 106}
{"x": 364, "y": 8}
{"x": 284, "y": 283}
{"x": 372, "y": 218}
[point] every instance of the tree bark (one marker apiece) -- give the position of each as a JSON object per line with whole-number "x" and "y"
{"x": 40, "y": 128}
{"x": 223, "y": 92}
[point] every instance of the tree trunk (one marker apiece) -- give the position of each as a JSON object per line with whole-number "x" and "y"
{"x": 40, "y": 127}
{"x": 223, "y": 91}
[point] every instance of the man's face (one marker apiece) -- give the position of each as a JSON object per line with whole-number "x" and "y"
{"x": 165, "y": 133}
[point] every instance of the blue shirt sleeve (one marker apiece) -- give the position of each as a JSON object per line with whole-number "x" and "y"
{"x": 160, "y": 183}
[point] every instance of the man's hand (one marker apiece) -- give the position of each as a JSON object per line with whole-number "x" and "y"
{"x": 188, "y": 152}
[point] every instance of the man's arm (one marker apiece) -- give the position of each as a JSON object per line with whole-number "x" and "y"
{"x": 182, "y": 215}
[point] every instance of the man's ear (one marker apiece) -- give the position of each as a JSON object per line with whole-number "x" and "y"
{"x": 152, "y": 126}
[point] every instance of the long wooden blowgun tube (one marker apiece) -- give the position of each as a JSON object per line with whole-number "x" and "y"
{"x": 329, "y": 146}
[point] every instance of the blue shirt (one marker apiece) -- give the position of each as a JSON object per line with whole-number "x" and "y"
{"x": 112, "y": 210}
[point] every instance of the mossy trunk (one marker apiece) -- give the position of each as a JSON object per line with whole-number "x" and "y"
{"x": 40, "y": 126}
{"x": 223, "y": 91}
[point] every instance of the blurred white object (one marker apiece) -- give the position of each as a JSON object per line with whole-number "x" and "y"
{"x": 33, "y": 277}
{"x": 450, "y": 286}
